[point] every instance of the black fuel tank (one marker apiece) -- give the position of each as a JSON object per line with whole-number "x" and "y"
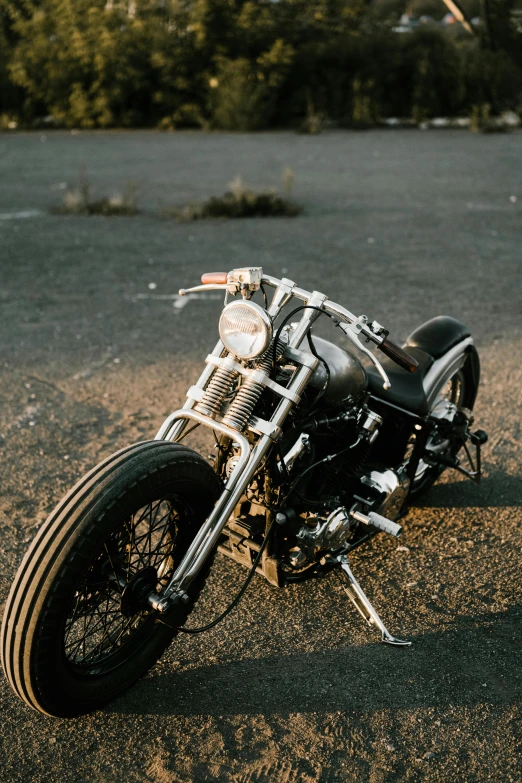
{"x": 347, "y": 375}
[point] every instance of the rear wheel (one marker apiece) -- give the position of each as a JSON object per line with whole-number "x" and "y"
{"x": 460, "y": 390}
{"x": 77, "y": 630}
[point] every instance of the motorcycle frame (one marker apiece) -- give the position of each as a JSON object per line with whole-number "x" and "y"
{"x": 252, "y": 455}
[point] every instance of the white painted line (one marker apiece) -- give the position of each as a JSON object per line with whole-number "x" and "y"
{"x": 179, "y": 302}
{"x": 24, "y": 213}
{"x": 156, "y": 296}
{"x": 182, "y": 301}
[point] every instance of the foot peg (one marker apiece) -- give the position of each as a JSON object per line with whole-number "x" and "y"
{"x": 377, "y": 521}
{"x": 361, "y": 602}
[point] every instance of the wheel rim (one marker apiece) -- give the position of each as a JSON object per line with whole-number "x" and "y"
{"x": 109, "y": 617}
{"x": 452, "y": 392}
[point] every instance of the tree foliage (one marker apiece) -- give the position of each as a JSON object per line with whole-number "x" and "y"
{"x": 243, "y": 64}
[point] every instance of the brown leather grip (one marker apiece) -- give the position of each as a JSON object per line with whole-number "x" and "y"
{"x": 399, "y": 356}
{"x": 214, "y": 277}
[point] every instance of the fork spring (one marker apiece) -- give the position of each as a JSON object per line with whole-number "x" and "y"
{"x": 249, "y": 393}
{"x": 216, "y": 391}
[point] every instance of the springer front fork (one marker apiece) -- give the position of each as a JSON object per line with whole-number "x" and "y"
{"x": 250, "y": 456}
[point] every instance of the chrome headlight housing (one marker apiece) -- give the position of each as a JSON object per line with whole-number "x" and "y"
{"x": 245, "y": 329}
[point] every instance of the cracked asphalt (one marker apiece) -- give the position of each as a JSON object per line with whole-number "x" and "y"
{"x": 96, "y": 350}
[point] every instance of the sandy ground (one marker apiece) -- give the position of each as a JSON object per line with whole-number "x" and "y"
{"x": 292, "y": 687}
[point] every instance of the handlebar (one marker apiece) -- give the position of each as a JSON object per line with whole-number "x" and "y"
{"x": 393, "y": 351}
{"x": 250, "y": 279}
{"x": 399, "y": 356}
{"x": 331, "y": 307}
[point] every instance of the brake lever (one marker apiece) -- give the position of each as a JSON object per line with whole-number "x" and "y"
{"x": 352, "y": 331}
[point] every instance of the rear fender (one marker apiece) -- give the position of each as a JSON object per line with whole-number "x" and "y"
{"x": 444, "y": 368}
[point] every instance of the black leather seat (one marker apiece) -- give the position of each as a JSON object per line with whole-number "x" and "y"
{"x": 406, "y": 388}
{"x": 438, "y": 335}
{"x": 427, "y": 343}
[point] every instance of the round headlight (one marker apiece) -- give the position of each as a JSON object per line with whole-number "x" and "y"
{"x": 245, "y": 329}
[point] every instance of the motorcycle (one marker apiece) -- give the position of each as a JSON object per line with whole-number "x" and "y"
{"x": 317, "y": 450}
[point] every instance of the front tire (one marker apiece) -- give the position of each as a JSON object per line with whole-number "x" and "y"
{"x": 76, "y": 630}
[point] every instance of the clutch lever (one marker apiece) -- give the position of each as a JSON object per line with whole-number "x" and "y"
{"x": 198, "y": 288}
{"x": 352, "y": 331}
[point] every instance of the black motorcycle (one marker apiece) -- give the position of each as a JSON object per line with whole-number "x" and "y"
{"x": 317, "y": 449}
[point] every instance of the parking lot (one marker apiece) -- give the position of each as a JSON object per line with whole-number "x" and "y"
{"x": 96, "y": 350}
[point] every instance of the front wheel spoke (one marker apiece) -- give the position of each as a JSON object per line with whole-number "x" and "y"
{"x": 145, "y": 512}
{"x": 93, "y": 629}
{"x": 88, "y": 636}
{"x": 107, "y": 630}
{"x": 96, "y": 627}
{"x": 124, "y": 628}
{"x": 152, "y": 557}
{"x": 167, "y": 527}
{"x": 75, "y": 620}
{"x": 159, "y": 558}
{"x": 154, "y": 529}
{"x": 113, "y": 569}
{"x": 166, "y": 530}
{"x": 87, "y": 625}
{"x": 135, "y": 621}
{"x": 157, "y": 550}
{"x": 84, "y": 636}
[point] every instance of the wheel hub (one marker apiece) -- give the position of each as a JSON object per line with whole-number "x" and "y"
{"x": 134, "y": 597}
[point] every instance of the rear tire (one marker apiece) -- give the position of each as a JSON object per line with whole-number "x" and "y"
{"x": 76, "y": 630}
{"x": 461, "y": 389}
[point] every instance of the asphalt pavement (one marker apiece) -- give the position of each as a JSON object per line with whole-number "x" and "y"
{"x": 96, "y": 349}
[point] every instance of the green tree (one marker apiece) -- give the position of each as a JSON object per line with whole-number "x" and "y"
{"x": 89, "y": 63}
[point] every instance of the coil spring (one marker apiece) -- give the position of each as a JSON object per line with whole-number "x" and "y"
{"x": 216, "y": 391}
{"x": 244, "y": 403}
{"x": 249, "y": 393}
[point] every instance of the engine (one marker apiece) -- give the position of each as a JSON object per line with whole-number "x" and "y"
{"x": 345, "y": 491}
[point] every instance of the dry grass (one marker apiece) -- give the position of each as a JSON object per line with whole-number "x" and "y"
{"x": 80, "y": 201}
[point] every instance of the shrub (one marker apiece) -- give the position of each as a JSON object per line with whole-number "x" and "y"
{"x": 189, "y": 115}
{"x": 434, "y": 64}
{"x": 364, "y": 109}
{"x": 246, "y": 92}
{"x": 313, "y": 123}
{"x": 241, "y": 202}
{"x": 245, "y": 65}
{"x": 490, "y": 77}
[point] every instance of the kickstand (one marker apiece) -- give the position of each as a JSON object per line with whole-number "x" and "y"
{"x": 361, "y": 602}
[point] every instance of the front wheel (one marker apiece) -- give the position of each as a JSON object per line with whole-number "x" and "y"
{"x": 76, "y": 629}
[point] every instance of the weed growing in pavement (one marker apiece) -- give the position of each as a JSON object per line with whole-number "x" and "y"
{"x": 80, "y": 201}
{"x": 241, "y": 202}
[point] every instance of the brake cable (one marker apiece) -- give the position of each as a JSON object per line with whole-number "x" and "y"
{"x": 285, "y": 321}
{"x": 236, "y": 600}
